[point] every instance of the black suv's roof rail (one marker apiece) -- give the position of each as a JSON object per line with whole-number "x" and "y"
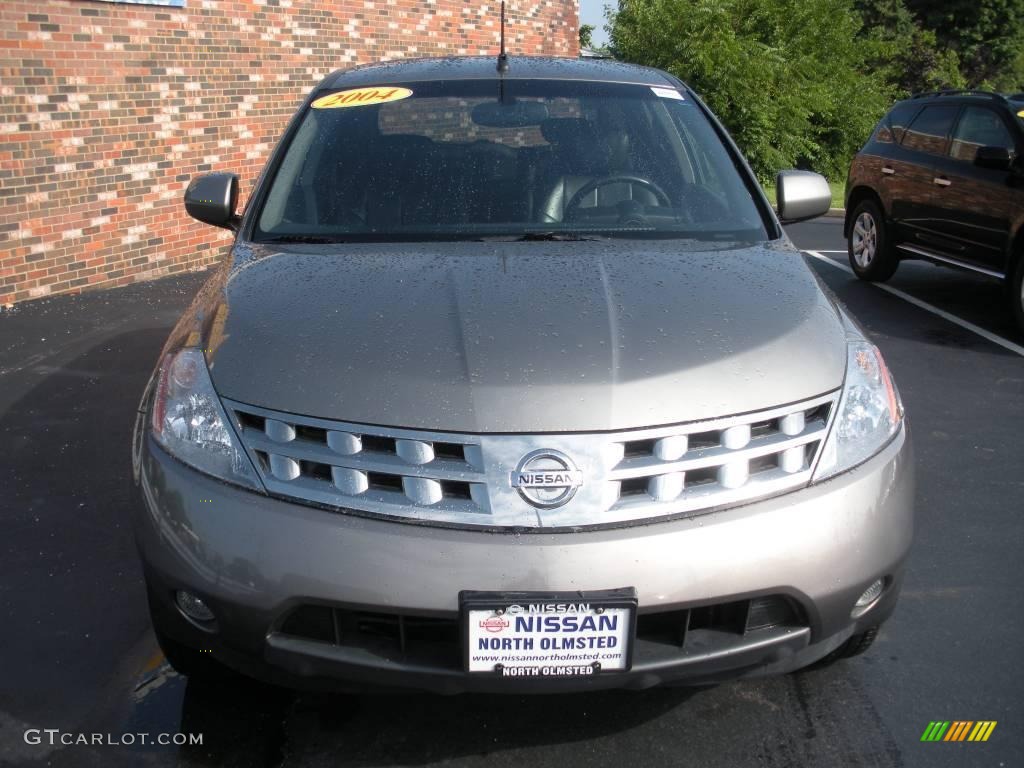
{"x": 960, "y": 92}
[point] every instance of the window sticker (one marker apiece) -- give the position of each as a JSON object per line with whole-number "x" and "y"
{"x": 1021, "y": 113}
{"x": 361, "y": 97}
{"x": 667, "y": 93}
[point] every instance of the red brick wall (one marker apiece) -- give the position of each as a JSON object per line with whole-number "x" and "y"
{"x": 106, "y": 111}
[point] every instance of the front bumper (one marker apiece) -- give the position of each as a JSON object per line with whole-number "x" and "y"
{"x": 253, "y": 559}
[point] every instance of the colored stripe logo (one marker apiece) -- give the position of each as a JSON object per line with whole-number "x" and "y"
{"x": 958, "y": 730}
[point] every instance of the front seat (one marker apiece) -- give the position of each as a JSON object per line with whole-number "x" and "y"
{"x": 582, "y": 154}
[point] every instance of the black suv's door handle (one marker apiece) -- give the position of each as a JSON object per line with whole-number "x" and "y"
{"x": 888, "y": 171}
{"x": 941, "y": 181}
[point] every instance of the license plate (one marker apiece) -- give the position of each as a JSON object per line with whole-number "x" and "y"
{"x": 542, "y": 635}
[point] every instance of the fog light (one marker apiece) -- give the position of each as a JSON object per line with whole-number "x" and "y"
{"x": 193, "y": 606}
{"x": 866, "y": 600}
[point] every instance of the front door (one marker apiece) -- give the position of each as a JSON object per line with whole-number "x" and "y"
{"x": 975, "y": 206}
{"x": 913, "y": 173}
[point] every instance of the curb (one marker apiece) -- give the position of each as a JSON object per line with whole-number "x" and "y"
{"x": 836, "y": 213}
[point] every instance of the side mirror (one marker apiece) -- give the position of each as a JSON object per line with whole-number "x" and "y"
{"x": 801, "y": 195}
{"x": 996, "y": 158}
{"x": 212, "y": 198}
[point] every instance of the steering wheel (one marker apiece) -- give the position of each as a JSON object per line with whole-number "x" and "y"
{"x": 590, "y": 186}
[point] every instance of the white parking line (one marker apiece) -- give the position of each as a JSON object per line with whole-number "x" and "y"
{"x": 926, "y": 306}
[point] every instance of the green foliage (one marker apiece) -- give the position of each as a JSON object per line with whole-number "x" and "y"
{"x": 1016, "y": 74}
{"x": 791, "y": 79}
{"x": 586, "y": 35}
{"x": 987, "y": 34}
{"x": 906, "y": 55}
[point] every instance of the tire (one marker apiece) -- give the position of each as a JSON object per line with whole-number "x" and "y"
{"x": 854, "y": 646}
{"x": 183, "y": 659}
{"x": 868, "y": 245}
{"x": 190, "y": 662}
{"x": 1017, "y": 291}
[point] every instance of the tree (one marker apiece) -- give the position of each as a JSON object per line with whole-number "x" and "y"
{"x": 586, "y": 36}
{"x": 789, "y": 78}
{"x": 1016, "y": 75}
{"x": 987, "y": 34}
{"x": 906, "y": 55}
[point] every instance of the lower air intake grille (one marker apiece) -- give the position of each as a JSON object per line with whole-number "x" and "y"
{"x": 388, "y": 635}
{"x": 435, "y": 641}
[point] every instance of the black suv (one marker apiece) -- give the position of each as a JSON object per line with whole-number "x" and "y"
{"x": 942, "y": 179}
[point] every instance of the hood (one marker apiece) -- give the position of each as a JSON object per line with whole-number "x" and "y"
{"x": 523, "y": 337}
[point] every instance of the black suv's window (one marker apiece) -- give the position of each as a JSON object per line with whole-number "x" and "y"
{"x": 894, "y": 124}
{"x": 883, "y": 132}
{"x": 979, "y": 127}
{"x": 477, "y": 159}
{"x": 930, "y": 129}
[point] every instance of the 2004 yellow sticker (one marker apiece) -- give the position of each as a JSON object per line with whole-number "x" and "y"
{"x": 361, "y": 97}
{"x": 1021, "y": 113}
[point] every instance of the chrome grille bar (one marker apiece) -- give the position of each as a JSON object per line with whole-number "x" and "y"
{"x": 645, "y": 466}
{"x": 366, "y": 461}
{"x": 463, "y": 479}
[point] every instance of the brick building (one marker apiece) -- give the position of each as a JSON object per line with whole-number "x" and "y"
{"x": 107, "y": 109}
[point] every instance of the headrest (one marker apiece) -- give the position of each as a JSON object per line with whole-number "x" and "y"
{"x": 568, "y": 130}
{"x": 401, "y": 142}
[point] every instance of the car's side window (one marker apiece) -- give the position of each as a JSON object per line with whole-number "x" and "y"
{"x": 883, "y": 131}
{"x": 930, "y": 129}
{"x": 894, "y": 125}
{"x": 980, "y": 127}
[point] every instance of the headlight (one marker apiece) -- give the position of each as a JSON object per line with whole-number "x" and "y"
{"x": 870, "y": 412}
{"x": 190, "y": 423}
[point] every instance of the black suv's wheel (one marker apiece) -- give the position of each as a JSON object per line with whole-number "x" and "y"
{"x": 871, "y": 253}
{"x": 1017, "y": 290}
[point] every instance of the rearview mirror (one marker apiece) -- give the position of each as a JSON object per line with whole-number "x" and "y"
{"x": 504, "y": 114}
{"x": 212, "y": 198}
{"x": 996, "y": 158}
{"x": 801, "y": 195}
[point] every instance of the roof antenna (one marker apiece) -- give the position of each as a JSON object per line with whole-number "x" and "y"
{"x": 502, "y": 57}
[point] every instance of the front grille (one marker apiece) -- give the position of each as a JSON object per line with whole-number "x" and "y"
{"x": 464, "y": 479}
{"x": 711, "y": 467}
{"x": 352, "y": 466}
{"x": 435, "y": 641}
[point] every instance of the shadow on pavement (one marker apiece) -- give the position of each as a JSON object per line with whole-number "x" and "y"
{"x": 71, "y": 581}
{"x": 247, "y": 724}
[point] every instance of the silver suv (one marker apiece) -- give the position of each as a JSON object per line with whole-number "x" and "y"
{"x": 513, "y": 382}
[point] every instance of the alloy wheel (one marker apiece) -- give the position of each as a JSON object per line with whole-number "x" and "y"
{"x": 864, "y": 240}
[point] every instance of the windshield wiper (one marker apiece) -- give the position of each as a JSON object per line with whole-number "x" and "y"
{"x": 544, "y": 237}
{"x": 524, "y": 237}
{"x": 302, "y": 239}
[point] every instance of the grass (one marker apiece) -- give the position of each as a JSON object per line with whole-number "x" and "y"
{"x": 837, "y": 187}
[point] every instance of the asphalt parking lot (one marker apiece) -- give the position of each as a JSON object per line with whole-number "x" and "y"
{"x": 77, "y": 654}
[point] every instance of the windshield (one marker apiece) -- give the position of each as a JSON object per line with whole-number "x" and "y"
{"x": 520, "y": 160}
